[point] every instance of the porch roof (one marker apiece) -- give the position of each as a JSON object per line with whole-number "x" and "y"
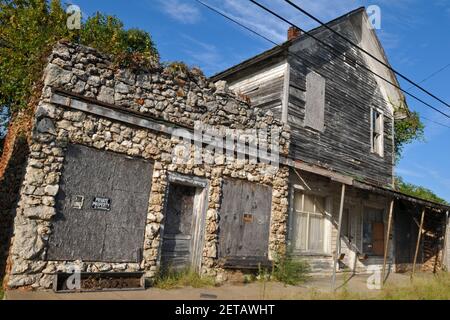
{"x": 364, "y": 185}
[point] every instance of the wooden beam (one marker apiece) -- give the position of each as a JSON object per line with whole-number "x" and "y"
{"x": 398, "y": 195}
{"x": 445, "y": 256}
{"x": 388, "y": 238}
{"x": 419, "y": 236}
{"x": 323, "y": 172}
{"x": 301, "y": 179}
{"x": 286, "y": 91}
{"x": 338, "y": 238}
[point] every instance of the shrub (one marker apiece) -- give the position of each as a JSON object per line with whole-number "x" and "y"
{"x": 172, "y": 279}
{"x": 289, "y": 270}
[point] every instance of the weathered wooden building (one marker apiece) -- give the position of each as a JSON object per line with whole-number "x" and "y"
{"x": 104, "y": 189}
{"x": 342, "y": 148}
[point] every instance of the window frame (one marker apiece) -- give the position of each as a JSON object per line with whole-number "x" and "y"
{"x": 377, "y": 136}
{"x": 325, "y": 249}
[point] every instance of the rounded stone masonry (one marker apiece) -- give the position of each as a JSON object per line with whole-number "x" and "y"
{"x": 160, "y": 95}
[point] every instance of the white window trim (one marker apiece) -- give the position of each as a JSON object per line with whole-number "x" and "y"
{"x": 327, "y": 224}
{"x": 381, "y": 142}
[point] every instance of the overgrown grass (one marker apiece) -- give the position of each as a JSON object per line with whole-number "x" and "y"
{"x": 290, "y": 270}
{"x": 287, "y": 270}
{"x": 178, "y": 279}
{"x": 435, "y": 287}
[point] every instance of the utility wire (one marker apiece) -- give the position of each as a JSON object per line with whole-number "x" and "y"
{"x": 431, "y": 75}
{"x": 435, "y": 122}
{"x": 339, "y": 55}
{"x": 236, "y": 22}
{"x": 276, "y": 44}
{"x": 365, "y": 51}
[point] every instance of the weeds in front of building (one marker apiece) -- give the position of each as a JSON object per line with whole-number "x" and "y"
{"x": 285, "y": 269}
{"x": 423, "y": 287}
{"x": 172, "y": 279}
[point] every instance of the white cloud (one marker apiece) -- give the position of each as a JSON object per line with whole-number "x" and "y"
{"x": 206, "y": 55}
{"x": 409, "y": 173}
{"x": 270, "y": 26}
{"x": 181, "y": 11}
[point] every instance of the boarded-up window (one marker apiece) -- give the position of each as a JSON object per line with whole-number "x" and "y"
{"x": 244, "y": 220}
{"x": 315, "y": 101}
{"x": 101, "y": 207}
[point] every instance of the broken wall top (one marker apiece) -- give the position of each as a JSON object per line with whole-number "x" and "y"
{"x": 181, "y": 98}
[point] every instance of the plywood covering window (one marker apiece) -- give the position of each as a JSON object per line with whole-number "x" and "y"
{"x": 377, "y": 132}
{"x": 308, "y": 223}
{"x": 315, "y": 101}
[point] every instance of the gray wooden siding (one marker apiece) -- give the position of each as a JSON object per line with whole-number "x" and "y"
{"x": 264, "y": 87}
{"x": 344, "y": 145}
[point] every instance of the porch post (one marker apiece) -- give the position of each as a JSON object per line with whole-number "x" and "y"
{"x": 446, "y": 256}
{"x": 418, "y": 243}
{"x": 388, "y": 238}
{"x": 338, "y": 238}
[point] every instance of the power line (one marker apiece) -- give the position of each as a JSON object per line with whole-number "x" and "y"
{"x": 236, "y": 22}
{"x": 435, "y": 122}
{"x": 365, "y": 51}
{"x": 339, "y": 56}
{"x": 276, "y": 44}
{"x": 431, "y": 75}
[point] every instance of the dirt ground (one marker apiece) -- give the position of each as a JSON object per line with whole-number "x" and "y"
{"x": 254, "y": 291}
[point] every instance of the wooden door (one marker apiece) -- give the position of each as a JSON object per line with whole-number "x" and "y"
{"x": 378, "y": 238}
{"x": 178, "y": 235}
{"x": 244, "y": 219}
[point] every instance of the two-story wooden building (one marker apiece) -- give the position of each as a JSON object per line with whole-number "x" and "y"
{"x": 342, "y": 149}
{"x": 102, "y": 188}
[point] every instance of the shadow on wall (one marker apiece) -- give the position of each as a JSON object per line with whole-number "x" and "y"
{"x": 10, "y": 184}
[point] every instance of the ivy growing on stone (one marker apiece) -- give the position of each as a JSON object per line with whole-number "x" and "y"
{"x": 30, "y": 28}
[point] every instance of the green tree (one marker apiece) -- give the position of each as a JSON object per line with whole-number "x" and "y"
{"x": 30, "y": 28}
{"x": 417, "y": 191}
{"x": 406, "y": 131}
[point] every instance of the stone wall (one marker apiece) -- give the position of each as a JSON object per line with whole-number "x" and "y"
{"x": 179, "y": 98}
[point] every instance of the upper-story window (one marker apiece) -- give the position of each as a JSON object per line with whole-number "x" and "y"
{"x": 315, "y": 101}
{"x": 377, "y": 132}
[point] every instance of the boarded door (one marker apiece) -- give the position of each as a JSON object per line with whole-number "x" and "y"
{"x": 244, "y": 219}
{"x": 101, "y": 207}
{"x": 178, "y": 235}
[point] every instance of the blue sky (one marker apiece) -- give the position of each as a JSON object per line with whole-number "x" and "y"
{"x": 414, "y": 33}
